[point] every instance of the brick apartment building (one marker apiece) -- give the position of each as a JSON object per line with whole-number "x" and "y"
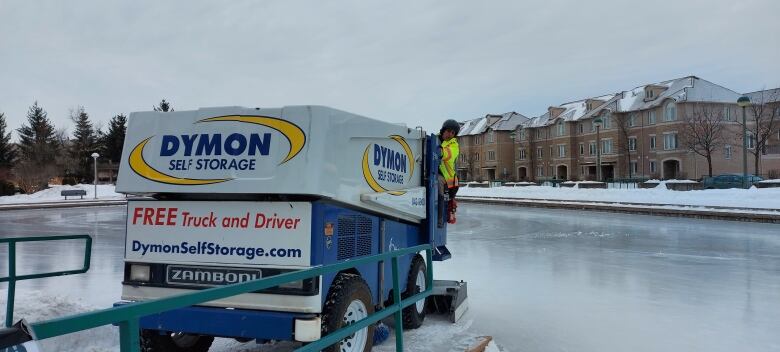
{"x": 642, "y": 135}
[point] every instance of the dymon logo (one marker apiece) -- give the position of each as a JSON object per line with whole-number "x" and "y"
{"x": 214, "y": 152}
{"x": 388, "y": 166}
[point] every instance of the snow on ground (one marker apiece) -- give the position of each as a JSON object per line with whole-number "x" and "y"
{"x": 36, "y": 306}
{"x": 739, "y": 198}
{"x": 52, "y": 194}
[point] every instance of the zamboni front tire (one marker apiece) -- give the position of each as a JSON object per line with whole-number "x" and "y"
{"x": 348, "y": 301}
{"x": 153, "y": 341}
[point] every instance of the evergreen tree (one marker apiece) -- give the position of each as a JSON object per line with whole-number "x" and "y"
{"x": 8, "y": 152}
{"x": 83, "y": 144}
{"x": 164, "y": 106}
{"x": 38, "y": 149}
{"x": 37, "y": 140}
{"x": 114, "y": 138}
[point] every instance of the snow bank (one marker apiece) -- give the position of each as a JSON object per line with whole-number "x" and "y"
{"x": 52, "y": 194}
{"x": 766, "y": 198}
{"x": 36, "y": 306}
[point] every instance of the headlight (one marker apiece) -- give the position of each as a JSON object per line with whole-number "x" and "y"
{"x": 298, "y": 285}
{"x": 140, "y": 272}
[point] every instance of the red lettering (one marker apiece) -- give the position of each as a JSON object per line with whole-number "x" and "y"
{"x": 137, "y": 214}
{"x": 172, "y": 216}
{"x": 148, "y": 213}
{"x": 160, "y": 215}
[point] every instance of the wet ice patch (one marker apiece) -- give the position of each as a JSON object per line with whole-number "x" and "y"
{"x": 577, "y": 234}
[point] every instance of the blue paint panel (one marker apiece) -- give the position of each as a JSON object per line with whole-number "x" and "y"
{"x": 221, "y": 322}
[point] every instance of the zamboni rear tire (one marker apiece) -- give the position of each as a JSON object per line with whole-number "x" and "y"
{"x": 414, "y": 315}
{"x": 153, "y": 341}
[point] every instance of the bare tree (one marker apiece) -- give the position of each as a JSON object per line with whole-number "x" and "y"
{"x": 624, "y": 124}
{"x": 704, "y": 131}
{"x": 763, "y": 121}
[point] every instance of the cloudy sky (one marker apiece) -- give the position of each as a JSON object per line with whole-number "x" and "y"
{"x": 416, "y": 62}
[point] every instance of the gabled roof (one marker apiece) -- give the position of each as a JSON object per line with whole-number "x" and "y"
{"x": 765, "y": 96}
{"x": 508, "y": 122}
{"x": 691, "y": 89}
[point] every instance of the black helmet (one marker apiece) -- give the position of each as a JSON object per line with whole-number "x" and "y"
{"x": 450, "y": 125}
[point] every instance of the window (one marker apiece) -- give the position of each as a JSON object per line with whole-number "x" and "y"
{"x": 606, "y": 146}
{"x": 463, "y": 158}
{"x": 562, "y": 150}
{"x": 581, "y": 127}
{"x": 670, "y": 113}
{"x": 539, "y": 134}
{"x": 608, "y": 121}
{"x": 582, "y": 149}
{"x": 561, "y": 129}
{"x": 592, "y": 148}
{"x": 522, "y": 154}
{"x": 670, "y": 141}
{"x": 632, "y": 143}
{"x": 653, "y": 168}
{"x": 632, "y": 119}
{"x": 592, "y": 126}
{"x": 477, "y": 139}
{"x": 652, "y": 142}
{"x": 727, "y": 151}
{"x": 491, "y": 136}
{"x": 476, "y": 156}
{"x": 551, "y": 151}
{"x": 727, "y": 113}
{"x": 540, "y": 152}
{"x": 491, "y": 155}
{"x": 540, "y": 171}
{"x": 651, "y": 117}
{"x": 632, "y": 165}
{"x": 751, "y": 141}
{"x": 522, "y": 135}
{"x": 650, "y": 94}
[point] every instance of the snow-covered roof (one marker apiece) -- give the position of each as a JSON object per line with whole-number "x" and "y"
{"x": 691, "y": 89}
{"x": 509, "y": 121}
{"x": 473, "y": 127}
{"x": 765, "y": 96}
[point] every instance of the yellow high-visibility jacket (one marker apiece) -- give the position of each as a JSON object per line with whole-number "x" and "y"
{"x": 449, "y": 154}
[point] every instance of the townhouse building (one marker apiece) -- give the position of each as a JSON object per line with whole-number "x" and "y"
{"x": 487, "y": 148}
{"x": 640, "y": 133}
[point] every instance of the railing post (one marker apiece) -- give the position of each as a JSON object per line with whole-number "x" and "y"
{"x": 399, "y": 317}
{"x": 9, "y": 311}
{"x": 128, "y": 336}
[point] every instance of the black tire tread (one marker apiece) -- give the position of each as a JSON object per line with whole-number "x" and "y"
{"x": 152, "y": 341}
{"x": 343, "y": 288}
{"x": 413, "y": 319}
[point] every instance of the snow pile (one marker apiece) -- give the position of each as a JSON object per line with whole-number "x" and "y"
{"x": 738, "y": 198}
{"x": 36, "y": 306}
{"x": 52, "y": 194}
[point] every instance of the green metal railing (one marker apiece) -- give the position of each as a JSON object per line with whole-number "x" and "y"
{"x": 128, "y": 316}
{"x": 12, "y": 278}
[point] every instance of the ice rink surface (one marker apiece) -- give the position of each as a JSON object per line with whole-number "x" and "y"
{"x": 539, "y": 280}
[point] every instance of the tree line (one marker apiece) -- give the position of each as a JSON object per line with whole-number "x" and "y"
{"x": 43, "y": 152}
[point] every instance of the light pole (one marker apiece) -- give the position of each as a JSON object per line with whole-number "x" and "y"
{"x": 95, "y": 156}
{"x": 597, "y": 122}
{"x": 744, "y": 102}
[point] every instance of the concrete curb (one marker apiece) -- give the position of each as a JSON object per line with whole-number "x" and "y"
{"x": 63, "y": 204}
{"x": 635, "y": 208}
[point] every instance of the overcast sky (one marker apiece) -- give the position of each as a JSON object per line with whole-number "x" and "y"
{"x": 416, "y": 62}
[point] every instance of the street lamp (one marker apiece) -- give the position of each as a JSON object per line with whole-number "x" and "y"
{"x": 597, "y": 122}
{"x": 744, "y": 102}
{"x": 95, "y": 156}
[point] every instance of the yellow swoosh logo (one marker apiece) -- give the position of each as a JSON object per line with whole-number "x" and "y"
{"x": 143, "y": 169}
{"x": 370, "y": 178}
{"x": 408, "y": 151}
{"x": 289, "y": 130}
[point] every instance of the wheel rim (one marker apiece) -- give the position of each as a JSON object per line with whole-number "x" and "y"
{"x": 420, "y": 282}
{"x": 184, "y": 340}
{"x": 357, "y": 341}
